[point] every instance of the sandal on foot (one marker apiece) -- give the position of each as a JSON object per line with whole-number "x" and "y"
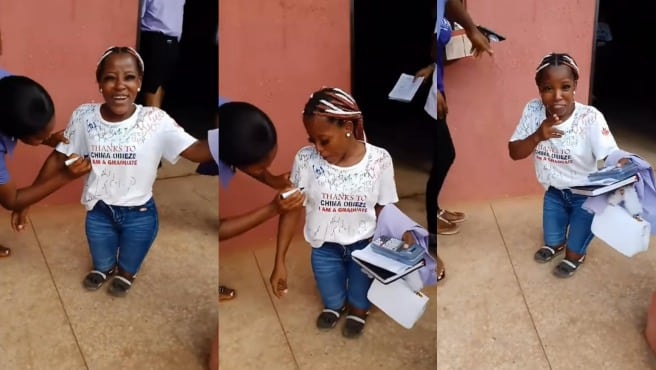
{"x": 353, "y": 326}
{"x": 452, "y": 216}
{"x": 441, "y": 270}
{"x": 328, "y": 318}
{"x": 446, "y": 227}
{"x": 95, "y": 279}
{"x": 119, "y": 286}
{"x": 226, "y": 293}
{"x": 4, "y": 252}
{"x": 547, "y": 253}
{"x": 567, "y": 268}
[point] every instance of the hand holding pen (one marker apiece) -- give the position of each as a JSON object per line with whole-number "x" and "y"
{"x": 289, "y": 199}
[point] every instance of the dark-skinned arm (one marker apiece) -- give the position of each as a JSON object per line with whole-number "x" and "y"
{"x": 233, "y": 226}
{"x": 50, "y": 179}
{"x": 521, "y": 149}
{"x": 277, "y": 182}
{"x": 198, "y": 152}
{"x": 287, "y": 226}
{"x": 455, "y": 11}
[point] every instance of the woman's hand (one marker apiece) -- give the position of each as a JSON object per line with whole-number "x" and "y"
{"x": 547, "y": 130}
{"x": 55, "y": 138}
{"x": 623, "y": 162}
{"x": 442, "y": 108}
{"x": 425, "y": 73}
{"x": 19, "y": 219}
{"x": 408, "y": 239}
{"x": 294, "y": 201}
{"x": 278, "y": 280}
{"x": 480, "y": 42}
{"x": 80, "y": 167}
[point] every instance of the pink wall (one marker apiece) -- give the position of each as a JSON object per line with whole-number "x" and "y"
{"x": 274, "y": 54}
{"x": 486, "y": 96}
{"x": 58, "y": 44}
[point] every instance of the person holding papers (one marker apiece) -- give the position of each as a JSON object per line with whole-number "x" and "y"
{"x": 439, "y": 220}
{"x": 566, "y": 139}
{"x": 347, "y": 182}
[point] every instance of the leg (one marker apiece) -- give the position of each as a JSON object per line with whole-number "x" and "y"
{"x": 555, "y": 219}
{"x": 157, "y": 53}
{"x": 154, "y": 99}
{"x": 650, "y": 329}
{"x": 160, "y": 55}
{"x": 103, "y": 238}
{"x": 358, "y": 282}
{"x": 443, "y": 157}
{"x": 138, "y": 231}
{"x": 580, "y": 228}
{"x": 579, "y": 237}
{"x": 330, "y": 275}
{"x": 358, "y": 286}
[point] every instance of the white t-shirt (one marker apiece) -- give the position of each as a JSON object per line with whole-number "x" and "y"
{"x": 340, "y": 200}
{"x": 124, "y": 155}
{"x": 566, "y": 162}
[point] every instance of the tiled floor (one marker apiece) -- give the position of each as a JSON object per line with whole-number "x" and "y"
{"x": 260, "y": 331}
{"x": 500, "y": 307}
{"x": 168, "y": 319}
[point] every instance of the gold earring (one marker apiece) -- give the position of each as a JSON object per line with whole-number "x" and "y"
{"x": 348, "y": 134}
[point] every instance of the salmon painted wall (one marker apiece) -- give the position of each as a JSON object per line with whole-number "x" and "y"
{"x": 58, "y": 46}
{"x": 274, "y": 54}
{"x": 487, "y": 96}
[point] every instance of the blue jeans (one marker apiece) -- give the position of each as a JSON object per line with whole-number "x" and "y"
{"x": 121, "y": 236}
{"x": 339, "y": 279}
{"x": 561, "y": 210}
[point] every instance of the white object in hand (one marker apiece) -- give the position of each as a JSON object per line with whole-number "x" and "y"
{"x": 70, "y": 161}
{"x": 289, "y": 193}
{"x": 405, "y": 88}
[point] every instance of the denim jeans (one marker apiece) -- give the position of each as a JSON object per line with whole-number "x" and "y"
{"x": 340, "y": 280}
{"x": 120, "y": 235}
{"x": 561, "y": 210}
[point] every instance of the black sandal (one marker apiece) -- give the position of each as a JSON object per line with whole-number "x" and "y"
{"x": 547, "y": 253}
{"x": 95, "y": 279}
{"x": 328, "y": 318}
{"x": 120, "y": 286}
{"x": 567, "y": 268}
{"x": 353, "y": 326}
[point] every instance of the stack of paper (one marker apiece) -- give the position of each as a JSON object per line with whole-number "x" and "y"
{"x": 406, "y": 88}
{"x": 383, "y": 268}
{"x": 399, "y": 301}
